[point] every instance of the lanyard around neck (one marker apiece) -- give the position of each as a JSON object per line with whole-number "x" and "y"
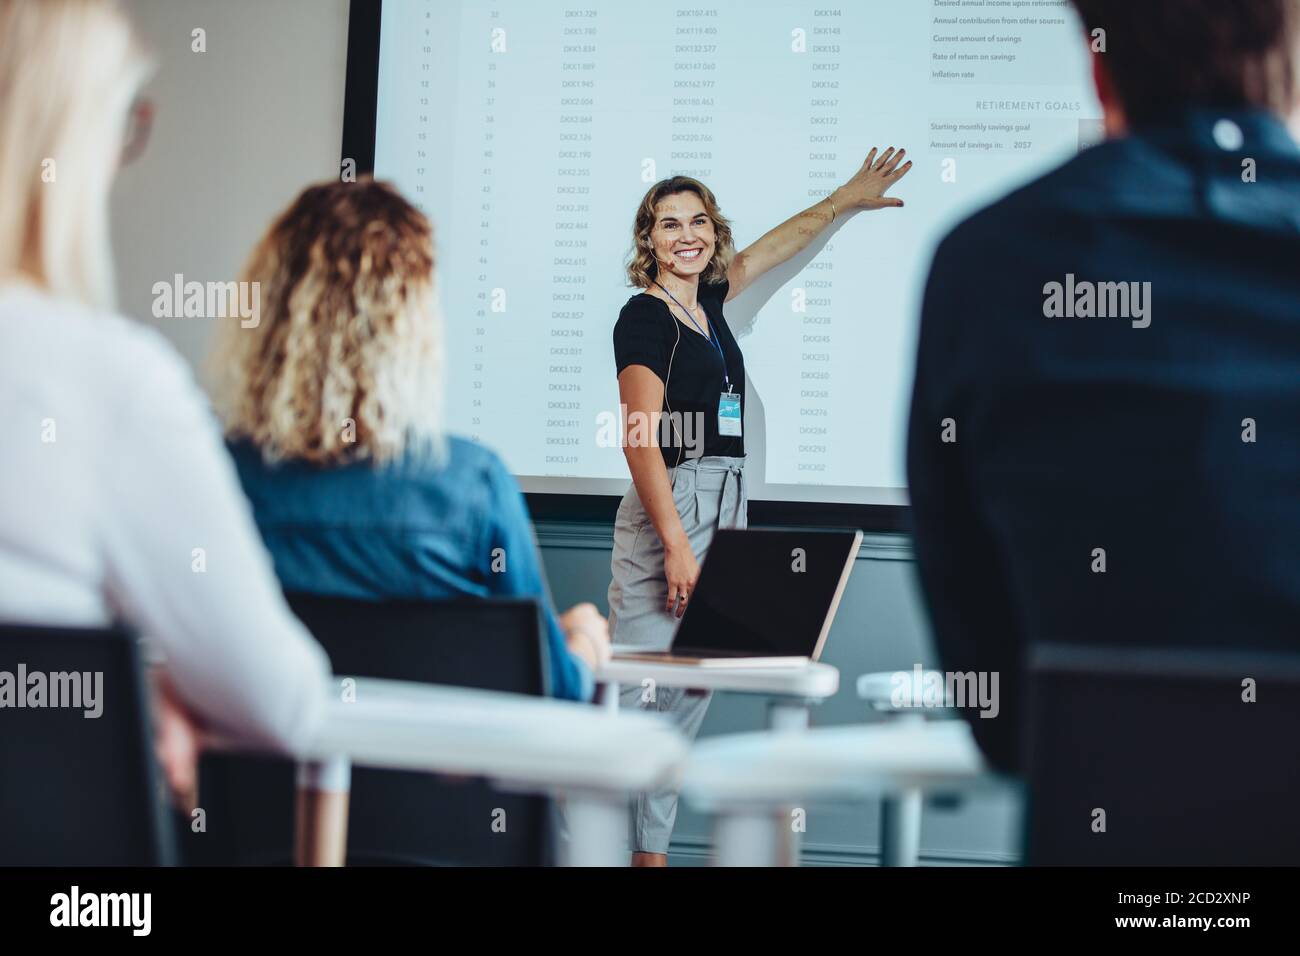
{"x": 708, "y": 335}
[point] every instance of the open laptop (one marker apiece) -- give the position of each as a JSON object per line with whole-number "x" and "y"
{"x": 763, "y": 598}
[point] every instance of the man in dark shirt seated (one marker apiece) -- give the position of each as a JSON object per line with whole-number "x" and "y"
{"x": 1104, "y": 443}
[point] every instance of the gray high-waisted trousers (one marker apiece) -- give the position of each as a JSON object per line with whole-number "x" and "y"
{"x": 709, "y": 494}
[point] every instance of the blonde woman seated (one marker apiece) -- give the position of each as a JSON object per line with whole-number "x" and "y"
{"x": 115, "y": 479}
{"x": 332, "y": 409}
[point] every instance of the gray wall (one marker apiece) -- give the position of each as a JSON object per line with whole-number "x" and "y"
{"x": 239, "y": 130}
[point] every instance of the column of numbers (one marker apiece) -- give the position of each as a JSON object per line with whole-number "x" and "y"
{"x": 816, "y": 339}
{"x": 485, "y": 288}
{"x": 695, "y": 88}
{"x": 567, "y": 428}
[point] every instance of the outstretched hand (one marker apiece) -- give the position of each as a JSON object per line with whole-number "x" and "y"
{"x": 867, "y": 188}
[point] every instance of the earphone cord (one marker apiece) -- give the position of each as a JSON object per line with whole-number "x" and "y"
{"x": 681, "y": 442}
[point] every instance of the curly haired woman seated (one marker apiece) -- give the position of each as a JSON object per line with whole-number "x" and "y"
{"x": 332, "y": 403}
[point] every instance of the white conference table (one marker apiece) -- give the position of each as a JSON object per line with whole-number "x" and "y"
{"x": 744, "y": 779}
{"x": 877, "y": 690}
{"x": 538, "y": 745}
{"x": 900, "y": 812}
{"x": 793, "y": 689}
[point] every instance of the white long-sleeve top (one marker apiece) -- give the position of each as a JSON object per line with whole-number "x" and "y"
{"x": 118, "y": 502}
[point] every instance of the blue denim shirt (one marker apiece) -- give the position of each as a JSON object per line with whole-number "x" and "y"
{"x": 406, "y": 530}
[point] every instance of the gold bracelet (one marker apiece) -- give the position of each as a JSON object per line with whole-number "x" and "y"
{"x": 834, "y": 211}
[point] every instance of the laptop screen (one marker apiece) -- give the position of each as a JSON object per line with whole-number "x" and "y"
{"x": 766, "y": 593}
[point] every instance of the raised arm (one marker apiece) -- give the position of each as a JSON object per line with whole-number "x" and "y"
{"x": 866, "y": 190}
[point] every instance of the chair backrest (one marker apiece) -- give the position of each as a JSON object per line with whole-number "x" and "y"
{"x": 77, "y": 789}
{"x": 399, "y": 817}
{"x": 1166, "y": 749}
{"x": 485, "y": 644}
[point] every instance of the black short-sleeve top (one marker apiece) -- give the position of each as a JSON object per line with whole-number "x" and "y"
{"x": 656, "y": 334}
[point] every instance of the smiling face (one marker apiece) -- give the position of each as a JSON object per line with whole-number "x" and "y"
{"x": 683, "y": 235}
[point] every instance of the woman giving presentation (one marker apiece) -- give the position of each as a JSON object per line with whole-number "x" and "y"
{"x": 679, "y": 367}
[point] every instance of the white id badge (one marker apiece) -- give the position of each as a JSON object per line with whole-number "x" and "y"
{"x": 729, "y": 415}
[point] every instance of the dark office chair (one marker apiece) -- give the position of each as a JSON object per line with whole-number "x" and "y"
{"x": 1186, "y": 772}
{"x": 396, "y": 817}
{"x": 78, "y": 790}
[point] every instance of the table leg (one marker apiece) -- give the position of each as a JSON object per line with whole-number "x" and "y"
{"x": 321, "y": 825}
{"x": 788, "y": 715}
{"x": 609, "y": 691}
{"x": 597, "y": 824}
{"x": 900, "y": 829}
{"x": 748, "y": 838}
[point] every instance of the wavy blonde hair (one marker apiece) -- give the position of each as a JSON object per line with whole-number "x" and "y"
{"x": 642, "y": 267}
{"x": 346, "y": 362}
{"x": 69, "y": 71}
